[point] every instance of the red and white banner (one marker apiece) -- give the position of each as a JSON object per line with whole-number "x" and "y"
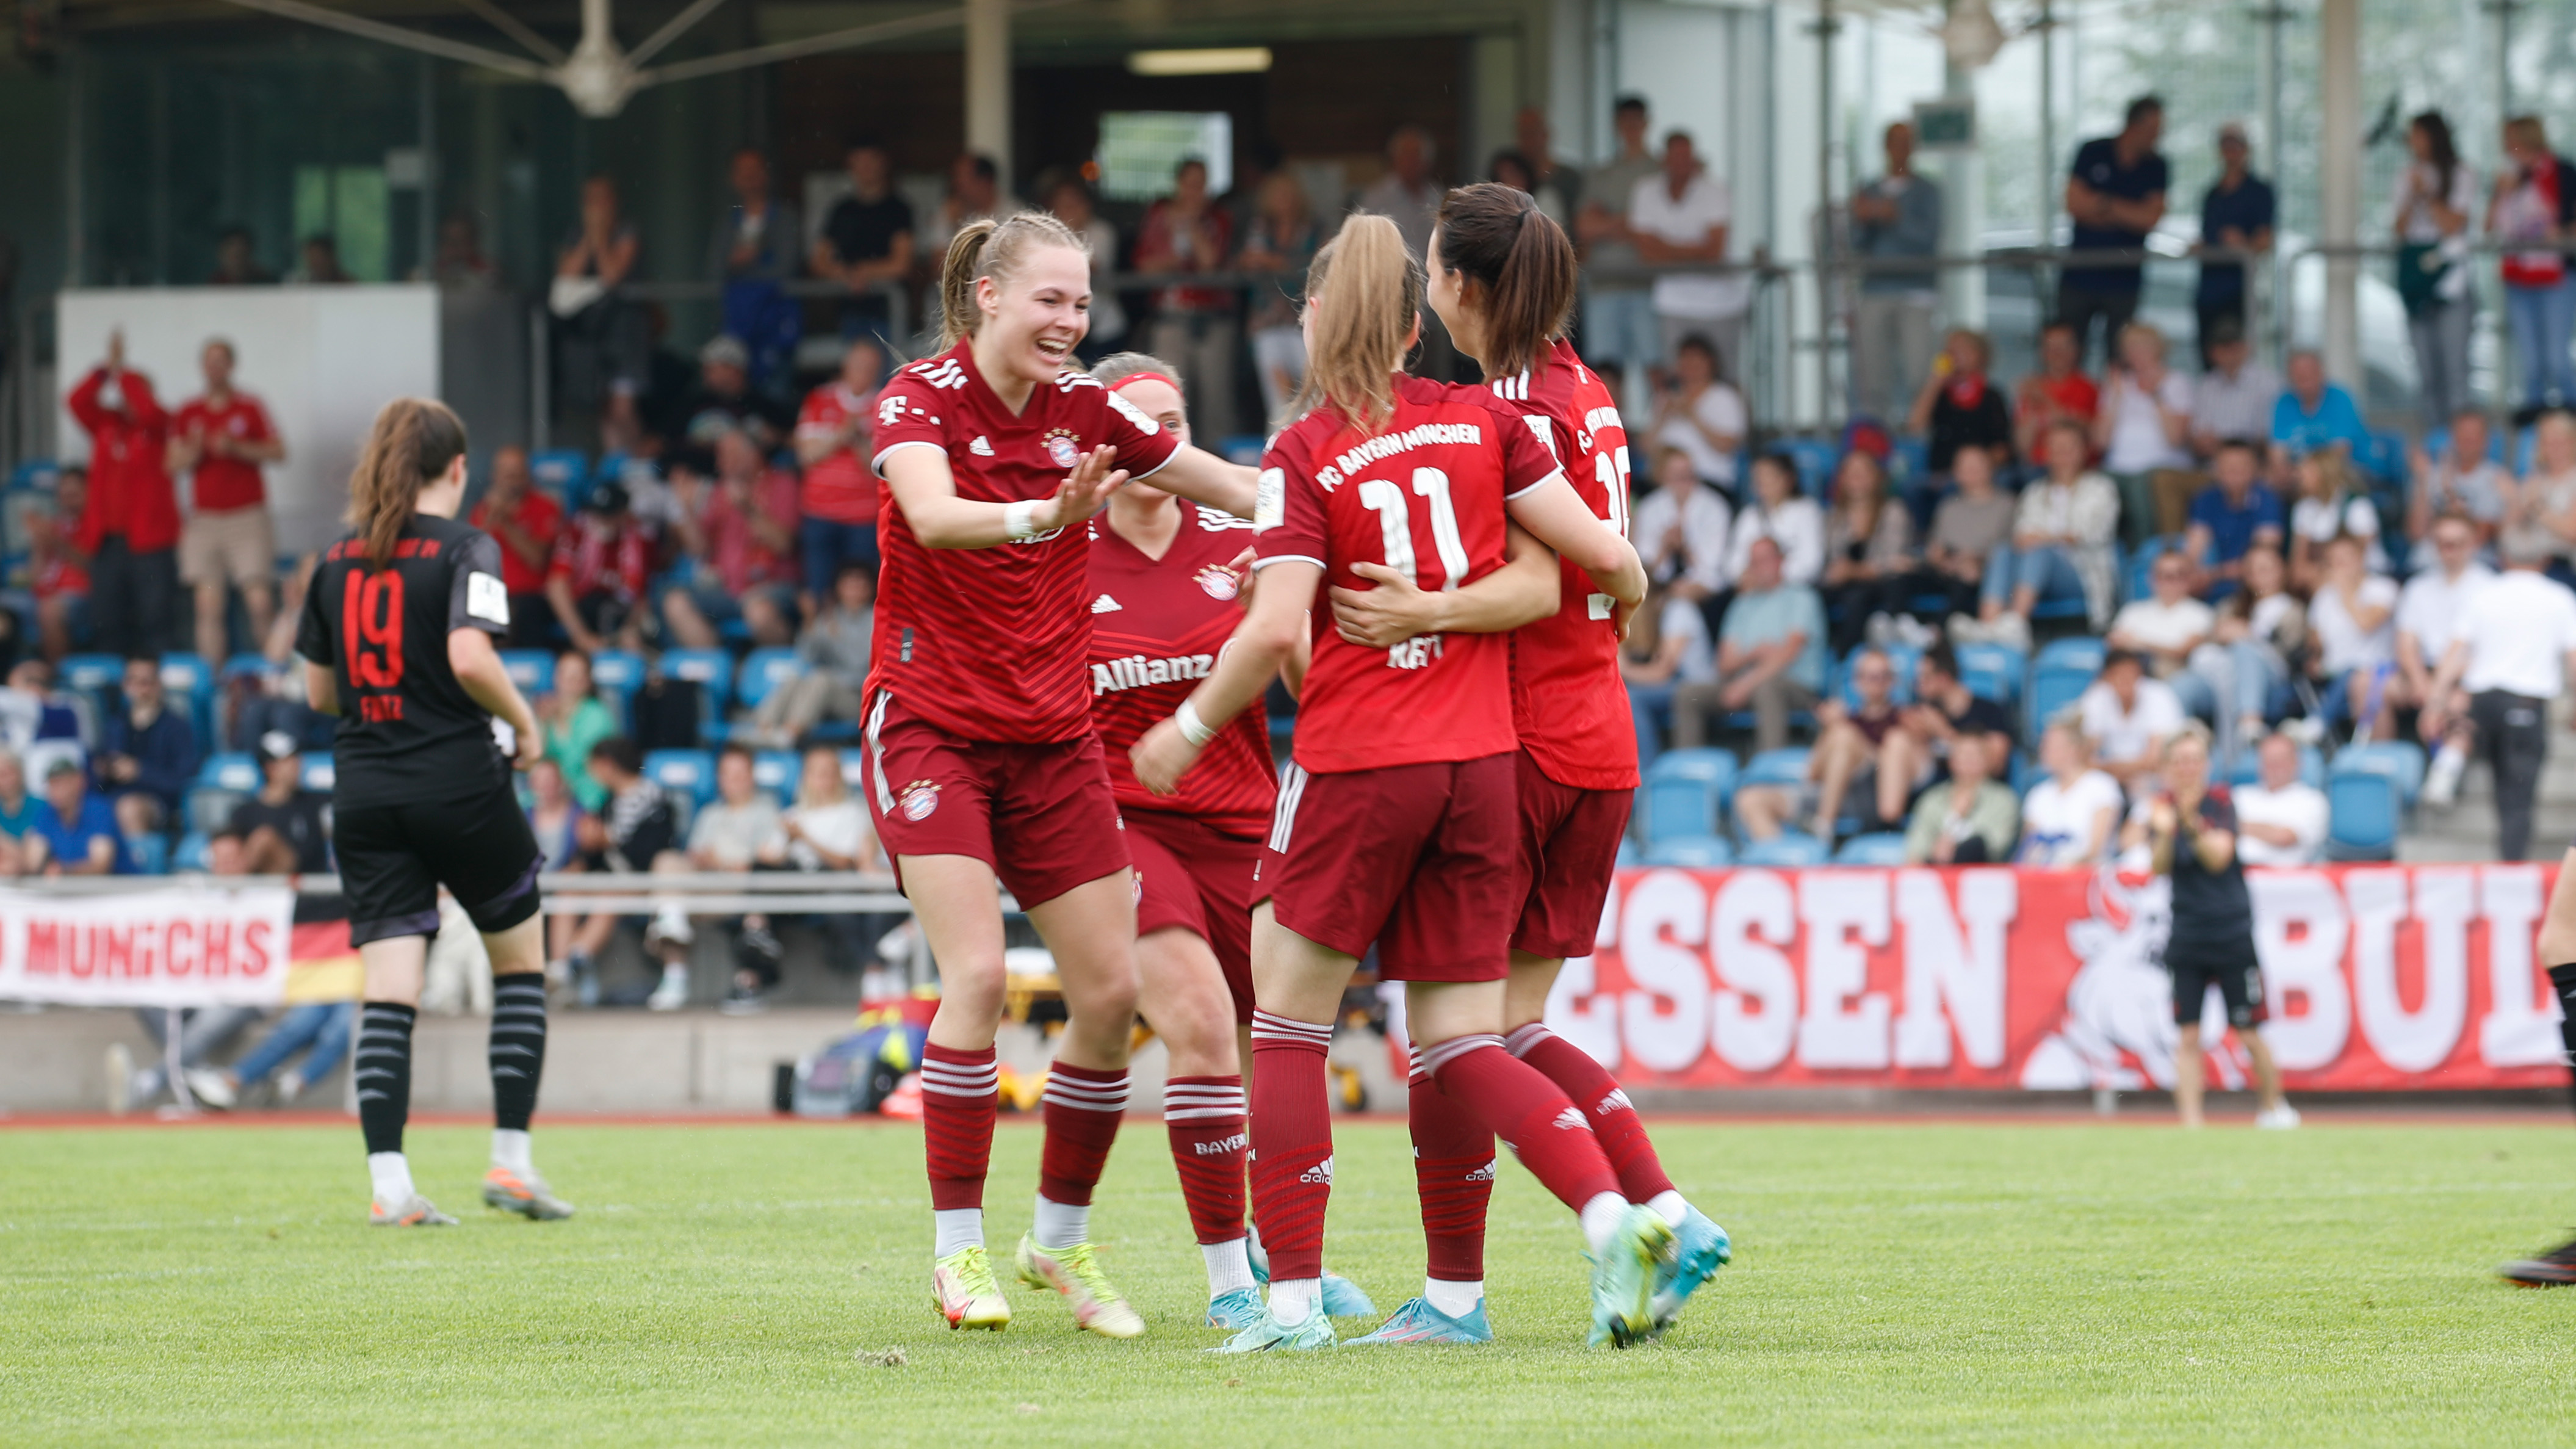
{"x": 181, "y": 946}
{"x": 2378, "y": 978}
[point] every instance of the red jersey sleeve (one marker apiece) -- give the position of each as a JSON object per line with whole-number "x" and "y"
{"x": 911, "y": 413}
{"x": 1143, "y": 447}
{"x": 1288, "y": 508}
{"x": 257, "y": 429}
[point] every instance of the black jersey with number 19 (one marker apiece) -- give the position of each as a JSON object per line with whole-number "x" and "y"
{"x": 407, "y": 730}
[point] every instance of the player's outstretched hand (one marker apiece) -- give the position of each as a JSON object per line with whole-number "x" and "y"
{"x": 1162, "y": 757}
{"x": 1385, "y": 616}
{"x": 1085, "y": 490}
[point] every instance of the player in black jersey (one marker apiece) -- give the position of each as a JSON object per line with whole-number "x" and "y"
{"x": 397, "y": 639}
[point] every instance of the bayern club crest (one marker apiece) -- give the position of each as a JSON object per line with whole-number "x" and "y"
{"x": 1219, "y": 581}
{"x": 1064, "y": 448}
{"x": 919, "y": 799}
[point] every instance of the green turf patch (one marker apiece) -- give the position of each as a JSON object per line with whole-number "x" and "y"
{"x": 759, "y": 1285}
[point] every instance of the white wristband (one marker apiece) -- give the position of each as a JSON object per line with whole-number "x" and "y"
{"x": 1193, "y": 728}
{"x": 1019, "y": 520}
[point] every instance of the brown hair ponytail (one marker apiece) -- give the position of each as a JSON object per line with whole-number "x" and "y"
{"x": 1496, "y": 237}
{"x": 414, "y": 442}
{"x": 991, "y": 249}
{"x": 1368, "y": 293}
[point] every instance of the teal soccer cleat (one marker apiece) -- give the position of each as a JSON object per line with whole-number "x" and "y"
{"x": 1235, "y": 1308}
{"x": 1623, "y": 1277}
{"x": 1418, "y": 1322}
{"x": 1265, "y": 1333}
{"x": 1342, "y": 1297}
{"x": 1702, "y": 1248}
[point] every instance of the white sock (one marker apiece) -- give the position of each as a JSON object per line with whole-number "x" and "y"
{"x": 957, "y": 1228}
{"x": 1454, "y": 1299}
{"x": 1601, "y": 1218}
{"x": 391, "y": 1174}
{"x": 1669, "y": 1205}
{"x": 510, "y": 1151}
{"x": 1062, "y": 1224}
{"x": 1229, "y": 1266}
{"x": 1294, "y": 1300}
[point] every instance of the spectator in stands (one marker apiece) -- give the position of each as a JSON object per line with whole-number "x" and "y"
{"x": 1280, "y": 237}
{"x": 2315, "y": 414}
{"x": 2543, "y": 504}
{"x": 1970, "y": 818}
{"x": 602, "y": 562}
{"x": 555, "y": 817}
{"x": 130, "y": 530}
{"x": 74, "y": 831}
{"x": 1700, "y": 414}
{"x": 1896, "y": 226}
{"x": 1553, "y": 185}
{"x": 146, "y": 747}
{"x": 285, "y": 828}
{"x": 2128, "y": 716}
{"x": 2429, "y": 611}
{"x": 458, "y": 263}
{"x": 1788, "y": 518}
{"x": 2143, "y": 430}
{"x": 741, "y": 830}
{"x": 57, "y": 573}
{"x": 1943, "y": 709}
{"x": 319, "y": 1029}
{"x": 2535, "y": 203}
{"x": 1869, "y": 551}
{"x": 2262, "y": 629}
{"x": 2236, "y": 213}
{"x": 724, "y": 401}
{"x": 2116, "y": 194}
{"x": 2435, "y": 202}
{"x": 43, "y": 724}
{"x": 2167, "y": 627}
{"x": 828, "y": 829}
{"x": 1511, "y": 168}
{"x": 1842, "y": 765}
{"x": 638, "y": 831}
{"x": 835, "y": 436}
{"x": 603, "y": 344}
{"x": 575, "y": 720}
{"x": 1193, "y": 326}
{"x": 2353, "y": 618}
{"x": 2235, "y": 396}
{"x": 2072, "y": 815}
{"x": 741, "y": 531}
{"x": 2061, "y": 545}
{"x": 1072, "y": 203}
{"x": 1408, "y": 194}
{"x": 834, "y": 650}
{"x": 2059, "y": 390}
{"x": 1770, "y": 655}
{"x": 2236, "y": 512}
{"x": 1681, "y": 528}
{"x": 204, "y": 1031}
{"x": 1666, "y": 651}
{"x": 224, "y": 437}
{"x": 1960, "y": 407}
{"x": 757, "y": 244}
{"x": 321, "y": 265}
{"x": 525, "y": 522}
{"x": 17, "y": 814}
{"x": 2464, "y": 481}
{"x": 237, "y": 261}
{"x": 2511, "y": 657}
{"x": 2330, "y": 503}
{"x": 974, "y": 194}
{"x": 2281, "y": 821}
{"x": 1683, "y": 215}
{"x": 866, "y": 244}
{"x": 1621, "y": 338}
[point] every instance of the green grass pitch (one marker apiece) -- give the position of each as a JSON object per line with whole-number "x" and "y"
{"x": 1910, "y": 1284}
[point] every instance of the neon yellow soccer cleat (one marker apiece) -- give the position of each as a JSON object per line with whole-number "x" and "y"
{"x": 1076, "y": 1274}
{"x": 962, "y": 1287}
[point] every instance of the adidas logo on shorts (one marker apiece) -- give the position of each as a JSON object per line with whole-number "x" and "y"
{"x": 1321, "y": 1173}
{"x": 1607, "y": 1105}
{"x": 1568, "y": 1120}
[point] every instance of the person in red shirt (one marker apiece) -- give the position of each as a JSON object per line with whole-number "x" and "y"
{"x": 130, "y": 530}
{"x": 740, "y": 532}
{"x": 833, "y": 433}
{"x": 57, "y": 573}
{"x": 524, "y": 521}
{"x": 2058, "y": 391}
{"x": 225, "y": 437}
{"x": 602, "y": 562}
{"x": 1182, "y": 233}
{"x": 979, "y": 760}
{"x": 1396, "y": 824}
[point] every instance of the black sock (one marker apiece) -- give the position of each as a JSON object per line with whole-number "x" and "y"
{"x": 383, "y": 1068}
{"x": 518, "y": 1049}
{"x": 2562, "y": 980}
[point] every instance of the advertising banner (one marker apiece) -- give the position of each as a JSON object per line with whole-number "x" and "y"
{"x": 177, "y": 947}
{"x": 2377, "y": 977}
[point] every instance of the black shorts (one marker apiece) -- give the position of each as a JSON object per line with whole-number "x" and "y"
{"x": 393, "y": 859}
{"x": 2234, "y": 972}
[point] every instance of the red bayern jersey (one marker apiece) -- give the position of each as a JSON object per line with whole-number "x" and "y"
{"x": 224, "y": 482}
{"x": 1423, "y": 495}
{"x": 1568, "y": 701}
{"x": 992, "y": 643}
{"x": 838, "y": 486}
{"x": 1157, "y": 626}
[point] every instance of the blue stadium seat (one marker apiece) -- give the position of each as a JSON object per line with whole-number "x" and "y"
{"x": 36, "y": 474}
{"x": 2383, "y": 455}
{"x": 533, "y": 670}
{"x": 617, "y": 672}
{"x": 1691, "y": 852}
{"x": 1243, "y": 448}
{"x": 1992, "y": 671}
{"x": 1788, "y": 849}
{"x": 689, "y": 774}
{"x": 2023, "y": 772}
{"x": 763, "y": 671}
{"x": 1816, "y": 458}
{"x": 2526, "y": 443}
{"x": 191, "y": 686}
{"x": 2400, "y": 760}
{"x": 191, "y": 854}
{"x": 711, "y": 670}
{"x": 560, "y": 471}
{"x": 151, "y": 853}
{"x": 1910, "y": 462}
{"x": 90, "y": 673}
{"x": 1686, "y": 793}
{"x": 1784, "y": 766}
{"x": 256, "y": 666}
{"x": 319, "y": 773}
{"x": 850, "y": 768}
{"x": 1627, "y": 853}
{"x": 1884, "y": 847}
{"x": 2085, "y": 654}
{"x": 230, "y": 770}
{"x": 775, "y": 771}
{"x": 2053, "y": 688}
{"x": 2364, "y": 810}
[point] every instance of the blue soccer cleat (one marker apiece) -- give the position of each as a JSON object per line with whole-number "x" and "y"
{"x": 1235, "y": 1308}
{"x": 1702, "y": 1248}
{"x": 1623, "y": 1277}
{"x": 1266, "y": 1333}
{"x": 1418, "y": 1322}
{"x": 1342, "y": 1297}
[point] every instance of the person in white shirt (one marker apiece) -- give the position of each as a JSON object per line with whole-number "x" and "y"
{"x": 2354, "y": 621}
{"x": 2129, "y": 716}
{"x": 2281, "y": 821}
{"x": 1683, "y": 216}
{"x": 2143, "y": 427}
{"x": 828, "y": 829}
{"x": 1666, "y": 651}
{"x": 2428, "y": 619}
{"x": 2068, "y": 819}
{"x": 1700, "y": 414}
{"x": 2463, "y": 480}
{"x": 1780, "y": 513}
{"x": 2515, "y": 647}
{"x": 2172, "y": 630}
{"x": 2330, "y": 503}
{"x": 1680, "y": 529}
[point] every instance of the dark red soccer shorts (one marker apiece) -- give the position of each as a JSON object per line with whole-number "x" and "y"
{"x": 1040, "y": 815}
{"x": 1416, "y": 858}
{"x": 1569, "y": 846}
{"x": 1193, "y": 877}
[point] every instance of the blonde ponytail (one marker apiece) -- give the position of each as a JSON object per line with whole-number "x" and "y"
{"x": 991, "y": 249}
{"x": 413, "y": 443}
{"x": 1367, "y": 289}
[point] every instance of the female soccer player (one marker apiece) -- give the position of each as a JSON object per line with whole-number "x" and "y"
{"x": 979, "y": 757}
{"x": 1396, "y": 825}
{"x": 1502, "y": 277}
{"x": 397, "y": 637}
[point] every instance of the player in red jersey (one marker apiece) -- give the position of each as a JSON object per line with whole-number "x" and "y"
{"x": 1502, "y": 278}
{"x": 979, "y": 759}
{"x": 1396, "y": 825}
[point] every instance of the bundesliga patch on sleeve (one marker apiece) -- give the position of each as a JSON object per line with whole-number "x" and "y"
{"x": 1270, "y": 500}
{"x": 486, "y": 599}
